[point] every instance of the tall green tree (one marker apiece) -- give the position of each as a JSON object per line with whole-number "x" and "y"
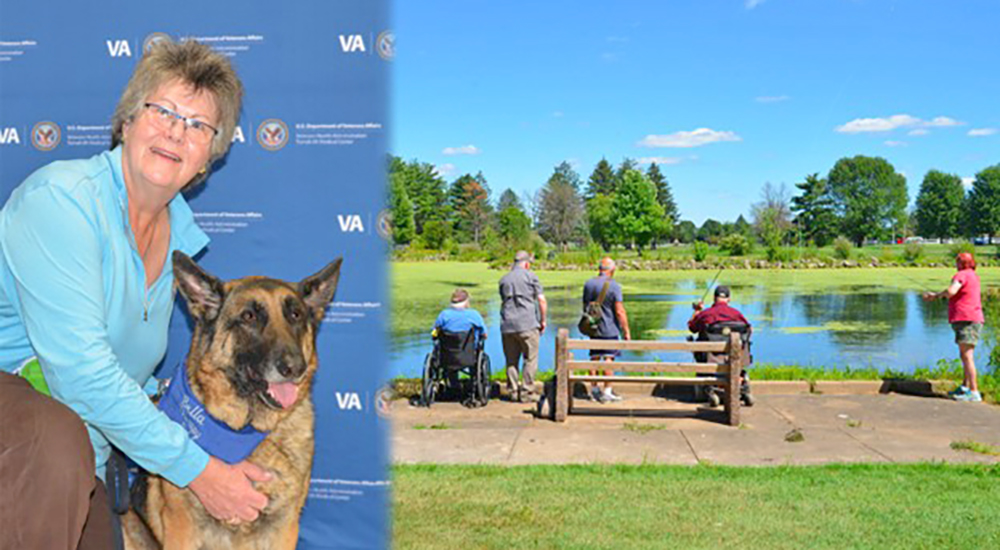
{"x": 814, "y": 210}
{"x": 401, "y": 211}
{"x": 560, "y": 210}
{"x": 424, "y": 187}
{"x": 984, "y": 202}
{"x": 686, "y": 231}
{"x": 939, "y": 205}
{"x": 601, "y": 220}
{"x": 742, "y": 227}
{"x": 665, "y": 197}
{"x": 638, "y": 217}
{"x": 565, "y": 171}
{"x": 509, "y": 199}
{"x": 469, "y": 197}
{"x": 514, "y": 227}
{"x": 710, "y": 231}
{"x": 870, "y": 197}
{"x": 602, "y": 180}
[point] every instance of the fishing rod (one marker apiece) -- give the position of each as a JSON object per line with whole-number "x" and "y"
{"x": 710, "y": 285}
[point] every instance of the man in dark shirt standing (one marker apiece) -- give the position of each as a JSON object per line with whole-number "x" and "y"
{"x": 522, "y": 321}
{"x": 719, "y": 312}
{"x": 614, "y": 321}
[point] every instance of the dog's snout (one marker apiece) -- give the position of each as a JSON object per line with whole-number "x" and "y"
{"x": 290, "y": 366}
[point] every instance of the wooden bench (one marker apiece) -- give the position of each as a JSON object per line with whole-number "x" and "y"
{"x": 725, "y": 374}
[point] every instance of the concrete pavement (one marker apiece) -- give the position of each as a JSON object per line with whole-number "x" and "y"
{"x": 846, "y": 423}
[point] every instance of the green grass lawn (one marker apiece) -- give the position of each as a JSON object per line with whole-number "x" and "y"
{"x": 636, "y": 507}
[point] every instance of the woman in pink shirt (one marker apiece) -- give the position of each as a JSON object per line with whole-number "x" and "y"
{"x": 965, "y": 313}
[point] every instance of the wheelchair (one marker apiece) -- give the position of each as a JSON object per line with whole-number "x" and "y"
{"x": 457, "y": 353}
{"x": 719, "y": 332}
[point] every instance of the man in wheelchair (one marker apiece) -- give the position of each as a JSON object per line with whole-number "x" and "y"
{"x": 715, "y": 324}
{"x": 459, "y": 337}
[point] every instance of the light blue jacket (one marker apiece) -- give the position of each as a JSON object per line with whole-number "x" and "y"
{"x": 73, "y": 293}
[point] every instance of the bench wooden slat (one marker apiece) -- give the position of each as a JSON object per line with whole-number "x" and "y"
{"x": 626, "y": 366}
{"x": 669, "y": 380}
{"x": 646, "y": 345}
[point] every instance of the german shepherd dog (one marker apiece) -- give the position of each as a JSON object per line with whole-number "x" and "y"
{"x": 251, "y": 363}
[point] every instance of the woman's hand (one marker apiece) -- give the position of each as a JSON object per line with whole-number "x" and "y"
{"x": 227, "y": 493}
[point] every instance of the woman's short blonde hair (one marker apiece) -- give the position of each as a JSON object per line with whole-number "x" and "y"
{"x": 192, "y": 63}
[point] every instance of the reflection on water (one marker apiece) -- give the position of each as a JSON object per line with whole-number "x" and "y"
{"x": 860, "y": 326}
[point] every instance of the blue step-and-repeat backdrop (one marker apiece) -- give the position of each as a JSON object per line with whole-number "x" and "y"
{"x": 303, "y": 184}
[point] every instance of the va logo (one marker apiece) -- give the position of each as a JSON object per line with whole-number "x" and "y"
{"x": 348, "y": 401}
{"x": 153, "y": 40}
{"x": 385, "y": 45}
{"x": 350, "y": 223}
{"x": 238, "y": 135}
{"x": 118, "y": 48}
{"x": 272, "y": 134}
{"x": 9, "y": 136}
{"x": 351, "y": 43}
{"x": 383, "y": 224}
{"x": 45, "y": 136}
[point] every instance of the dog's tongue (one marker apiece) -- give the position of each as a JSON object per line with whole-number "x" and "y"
{"x": 283, "y": 392}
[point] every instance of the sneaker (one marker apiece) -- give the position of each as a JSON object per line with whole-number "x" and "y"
{"x": 597, "y": 395}
{"x": 611, "y": 396}
{"x": 961, "y": 390}
{"x": 972, "y": 396}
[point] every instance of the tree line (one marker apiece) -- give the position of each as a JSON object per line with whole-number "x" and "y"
{"x": 861, "y": 199}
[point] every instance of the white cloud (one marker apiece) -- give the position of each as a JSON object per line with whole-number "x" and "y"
{"x": 751, "y": 4}
{"x": 892, "y": 143}
{"x": 918, "y": 132}
{"x": 860, "y": 125}
{"x": 463, "y": 150}
{"x": 445, "y": 170}
{"x": 694, "y": 138}
{"x": 980, "y": 132}
{"x": 771, "y": 98}
{"x": 558, "y": 114}
{"x": 660, "y": 160}
{"x": 968, "y": 181}
{"x": 940, "y": 121}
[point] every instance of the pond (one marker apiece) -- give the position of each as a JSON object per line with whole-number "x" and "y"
{"x": 855, "y": 325}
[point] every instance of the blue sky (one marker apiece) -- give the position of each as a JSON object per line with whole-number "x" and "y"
{"x": 726, "y": 94}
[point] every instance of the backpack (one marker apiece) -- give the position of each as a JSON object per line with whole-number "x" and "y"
{"x": 590, "y": 321}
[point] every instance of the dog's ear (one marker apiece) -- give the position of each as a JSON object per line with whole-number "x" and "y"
{"x": 202, "y": 291}
{"x": 317, "y": 290}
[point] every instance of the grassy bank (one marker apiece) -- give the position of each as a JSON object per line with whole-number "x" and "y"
{"x": 421, "y": 289}
{"x": 837, "y": 506}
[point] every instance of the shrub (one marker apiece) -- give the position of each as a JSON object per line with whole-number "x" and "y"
{"x": 737, "y": 244}
{"x": 780, "y": 254}
{"x": 700, "y": 251}
{"x": 912, "y": 252}
{"x": 842, "y": 248}
{"x": 958, "y": 247}
{"x": 436, "y": 234}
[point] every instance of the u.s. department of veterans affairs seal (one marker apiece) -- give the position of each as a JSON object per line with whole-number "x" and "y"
{"x": 45, "y": 136}
{"x": 272, "y": 134}
{"x": 154, "y": 39}
{"x": 383, "y": 224}
{"x": 385, "y": 45}
{"x": 383, "y": 401}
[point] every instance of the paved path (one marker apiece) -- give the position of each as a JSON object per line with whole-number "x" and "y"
{"x": 646, "y": 429}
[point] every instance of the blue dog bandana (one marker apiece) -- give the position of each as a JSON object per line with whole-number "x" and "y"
{"x": 215, "y": 437}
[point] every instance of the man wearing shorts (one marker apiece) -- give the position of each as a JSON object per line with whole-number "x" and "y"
{"x": 613, "y": 325}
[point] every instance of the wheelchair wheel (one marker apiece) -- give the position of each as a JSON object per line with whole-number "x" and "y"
{"x": 429, "y": 386}
{"x": 482, "y": 380}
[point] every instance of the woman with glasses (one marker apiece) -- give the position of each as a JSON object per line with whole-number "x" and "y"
{"x": 85, "y": 302}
